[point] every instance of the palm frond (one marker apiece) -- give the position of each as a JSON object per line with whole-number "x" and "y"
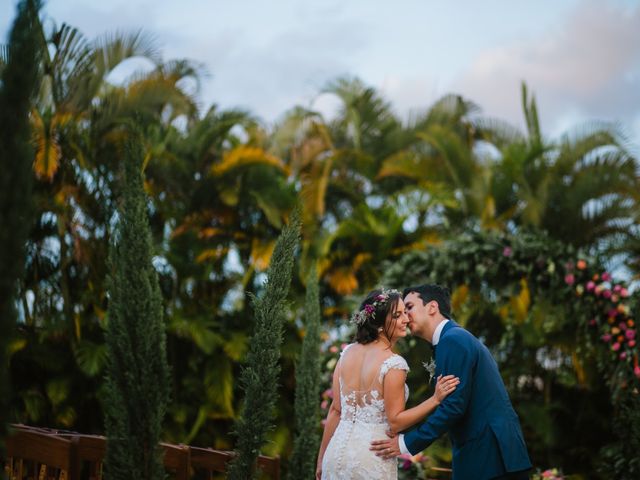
{"x": 243, "y": 156}
{"x": 530, "y": 110}
{"x": 111, "y": 49}
{"x": 497, "y": 132}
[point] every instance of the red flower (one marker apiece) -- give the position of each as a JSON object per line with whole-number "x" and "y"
{"x": 581, "y": 265}
{"x": 569, "y": 279}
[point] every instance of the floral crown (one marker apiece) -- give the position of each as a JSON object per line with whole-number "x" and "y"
{"x": 369, "y": 310}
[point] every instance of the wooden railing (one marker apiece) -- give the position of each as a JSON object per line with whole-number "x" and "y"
{"x": 45, "y": 454}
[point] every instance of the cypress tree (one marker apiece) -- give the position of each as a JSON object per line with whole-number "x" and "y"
{"x": 18, "y": 83}
{"x": 137, "y": 383}
{"x": 259, "y": 378}
{"x": 307, "y": 437}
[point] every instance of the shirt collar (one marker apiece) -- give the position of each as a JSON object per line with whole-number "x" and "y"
{"x": 438, "y": 332}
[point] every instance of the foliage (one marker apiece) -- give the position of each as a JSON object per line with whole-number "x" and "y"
{"x": 620, "y": 460}
{"x": 259, "y": 377}
{"x": 137, "y": 383}
{"x": 18, "y": 80}
{"x": 307, "y": 435}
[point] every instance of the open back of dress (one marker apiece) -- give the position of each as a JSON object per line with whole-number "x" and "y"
{"x": 362, "y": 418}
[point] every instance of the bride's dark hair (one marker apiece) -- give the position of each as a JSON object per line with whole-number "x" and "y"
{"x": 369, "y": 330}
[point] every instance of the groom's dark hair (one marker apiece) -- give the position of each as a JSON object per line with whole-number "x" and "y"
{"x": 430, "y": 292}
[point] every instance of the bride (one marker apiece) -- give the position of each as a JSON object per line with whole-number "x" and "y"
{"x": 370, "y": 380}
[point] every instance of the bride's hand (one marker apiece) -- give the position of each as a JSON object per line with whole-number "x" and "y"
{"x": 445, "y": 386}
{"x": 319, "y": 470}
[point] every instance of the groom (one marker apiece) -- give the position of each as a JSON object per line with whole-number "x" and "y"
{"x": 483, "y": 427}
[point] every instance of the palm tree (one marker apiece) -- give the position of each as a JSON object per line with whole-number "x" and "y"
{"x": 581, "y": 188}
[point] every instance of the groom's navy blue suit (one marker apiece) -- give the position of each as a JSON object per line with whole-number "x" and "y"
{"x": 483, "y": 427}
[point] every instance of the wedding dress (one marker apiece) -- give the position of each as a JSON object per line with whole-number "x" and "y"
{"x": 362, "y": 420}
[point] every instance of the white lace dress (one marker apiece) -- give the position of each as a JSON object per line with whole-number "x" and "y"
{"x": 362, "y": 420}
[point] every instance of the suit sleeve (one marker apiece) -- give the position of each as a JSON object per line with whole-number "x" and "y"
{"x": 453, "y": 357}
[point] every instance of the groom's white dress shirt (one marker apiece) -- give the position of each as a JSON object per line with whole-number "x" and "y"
{"x": 435, "y": 340}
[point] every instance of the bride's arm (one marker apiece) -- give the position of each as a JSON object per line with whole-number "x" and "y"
{"x": 333, "y": 418}
{"x": 394, "y": 402}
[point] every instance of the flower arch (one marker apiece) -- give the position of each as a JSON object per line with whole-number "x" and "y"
{"x": 537, "y": 287}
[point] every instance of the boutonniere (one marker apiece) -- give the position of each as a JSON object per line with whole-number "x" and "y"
{"x": 430, "y": 368}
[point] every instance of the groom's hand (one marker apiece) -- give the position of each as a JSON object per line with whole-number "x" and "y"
{"x": 386, "y": 448}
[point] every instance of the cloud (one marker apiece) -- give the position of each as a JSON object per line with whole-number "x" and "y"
{"x": 590, "y": 68}
{"x": 289, "y": 69}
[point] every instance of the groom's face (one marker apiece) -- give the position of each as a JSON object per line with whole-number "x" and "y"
{"x": 416, "y": 311}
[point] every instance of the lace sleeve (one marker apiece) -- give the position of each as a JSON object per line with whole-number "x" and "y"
{"x": 394, "y": 361}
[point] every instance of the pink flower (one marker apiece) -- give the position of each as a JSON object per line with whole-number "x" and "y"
{"x": 630, "y": 334}
{"x": 612, "y": 312}
{"x": 622, "y": 325}
{"x": 590, "y": 285}
{"x": 324, "y": 404}
{"x": 606, "y": 277}
{"x": 328, "y": 393}
{"x": 507, "y": 252}
{"x": 615, "y": 298}
{"x": 593, "y": 322}
{"x": 369, "y": 309}
{"x": 606, "y": 337}
{"x": 636, "y": 371}
{"x": 615, "y": 347}
{"x": 333, "y": 349}
{"x": 617, "y": 288}
{"x": 623, "y": 355}
{"x": 624, "y": 293}
{"x": 569, "y": 279}
{"x": 606, "y": 293}
{"x": 631, "y": 343}
{"x": 343, "y": 346}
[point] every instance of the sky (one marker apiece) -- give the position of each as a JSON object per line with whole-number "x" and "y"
{"x": 581, "y": 58}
